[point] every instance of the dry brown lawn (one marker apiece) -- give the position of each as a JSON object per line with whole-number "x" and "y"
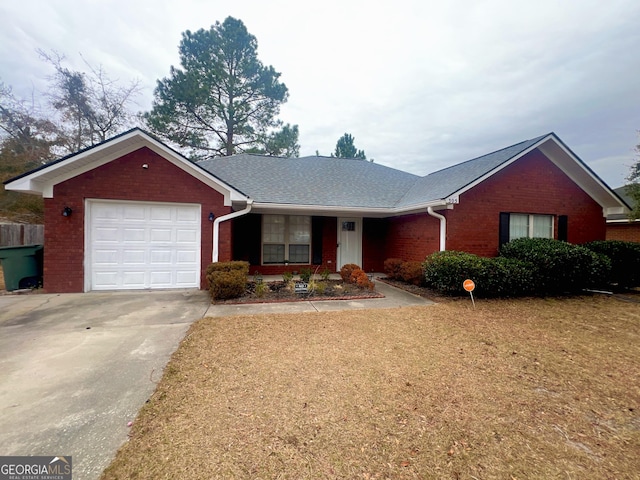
{"x": 526, "y": 389}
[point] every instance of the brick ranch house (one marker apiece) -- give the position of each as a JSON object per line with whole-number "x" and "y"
{"x": 131, "y": 213}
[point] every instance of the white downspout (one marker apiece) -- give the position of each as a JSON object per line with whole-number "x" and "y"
{"x": 224, "y": 218}
{"x": 443, "y": 228}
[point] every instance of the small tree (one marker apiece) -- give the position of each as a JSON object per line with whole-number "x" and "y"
{"x": 345, "y": 148}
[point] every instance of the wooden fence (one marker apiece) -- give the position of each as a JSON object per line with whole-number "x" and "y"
{"x": 13, "y": 234}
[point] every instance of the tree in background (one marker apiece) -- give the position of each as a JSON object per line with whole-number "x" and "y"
{"x": 633, "y": 188}
{"x": 26, "y": 140}
{"x": 90, "y": 106}
{"x": 27, "y": 137}
{"x": 222, "y": 100}
{"x": 345, "y": 148}
{"x": 281, "y": 143}
{"x": 83, "y": 109}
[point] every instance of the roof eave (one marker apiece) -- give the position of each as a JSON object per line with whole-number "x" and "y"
{"x": 42, "y": 180}
{"x": 623, "y": 220}
{"x": 340, "y": 210}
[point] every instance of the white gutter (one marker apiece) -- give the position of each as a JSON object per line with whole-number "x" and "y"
{"x": 224, "y": 218}
{"x": 331, "y": 210}
{"x": 443, "y": 228}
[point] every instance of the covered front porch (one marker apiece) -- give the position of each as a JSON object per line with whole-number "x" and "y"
{"x": 278, "y": 243}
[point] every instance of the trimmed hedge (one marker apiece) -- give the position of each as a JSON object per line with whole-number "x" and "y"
{"x": 526, "y": 267}
{"x": 559, "y": 267}
{"x": 504, "y": 277}
{"x": 625, "y": 260}
{"x": 227, "y": 279}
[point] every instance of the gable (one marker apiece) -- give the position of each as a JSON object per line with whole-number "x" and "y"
{"x": 42, "y": 181}
{"x": 448, "y": 184}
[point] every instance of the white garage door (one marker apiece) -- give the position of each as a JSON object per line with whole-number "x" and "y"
{"x": 143, "y": 245}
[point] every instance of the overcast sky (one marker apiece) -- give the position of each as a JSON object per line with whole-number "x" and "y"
{"x": 421, "y": 85}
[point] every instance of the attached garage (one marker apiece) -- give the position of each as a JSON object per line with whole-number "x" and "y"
{"x": 140, "y": 245}
{"x": 131, "y": 214}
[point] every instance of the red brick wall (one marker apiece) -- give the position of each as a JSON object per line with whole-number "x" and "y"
{"x": 374, "y": 241}
{"x": 533, "y": 184}
{"x": 122, "y": 179}
{"x": 412, "y": 237}
{"x": 627, "y": 232}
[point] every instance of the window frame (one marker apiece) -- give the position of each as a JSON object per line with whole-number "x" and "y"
{"x": 505, "y": 228}
{"x": 287, "y": 235}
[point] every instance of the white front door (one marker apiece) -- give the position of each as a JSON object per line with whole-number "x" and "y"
{"x": 349, "y": 241}
{"x": 139, "y": 245}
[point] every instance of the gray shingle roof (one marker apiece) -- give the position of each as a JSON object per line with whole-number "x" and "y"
{"x": 322, "y": 181}
{"x": 443, "y": 183}
{"x": 328, "y": 181}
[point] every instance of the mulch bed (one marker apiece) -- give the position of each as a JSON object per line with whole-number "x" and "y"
{"x": 284, "y": 292}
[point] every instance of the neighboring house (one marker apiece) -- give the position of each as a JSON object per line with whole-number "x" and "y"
{"x": 131, "y": 213}
{"x": 619, "y": 226}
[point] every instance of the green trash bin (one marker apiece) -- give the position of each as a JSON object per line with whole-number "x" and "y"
{"x": 22, "y": 266}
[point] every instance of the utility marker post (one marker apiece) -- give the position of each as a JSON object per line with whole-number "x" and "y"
{"x": 470, "y": 286}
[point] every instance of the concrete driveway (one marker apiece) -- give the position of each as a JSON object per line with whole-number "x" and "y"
{"x": 75, "y": 368}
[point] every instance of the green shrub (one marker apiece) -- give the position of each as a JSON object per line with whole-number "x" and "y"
{"x": 346, "y": 270}
{"x": 625, "y": 260}
{"x": 412, "y": 272}
{"x": 227, "y": 279}
{"x": 494, "y": 277}
{"x": 325, "y": 273}
{"x": 228, "y": 267}
{"x": 392, "y": 268}
{"x": 261, "y": 289}
{"x": 318, "y": 287}
{"x": 558, "y": 267}
{"x": 305, "y": 274}
{"x": 445, "y": 271}
{"x": 505, "y": 277}
{"x": 287, "y": 277}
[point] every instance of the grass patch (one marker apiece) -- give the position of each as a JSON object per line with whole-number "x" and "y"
{"x": 535, "y": 389}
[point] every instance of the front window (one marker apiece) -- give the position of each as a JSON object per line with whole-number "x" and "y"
{"x": 286, "y": 238}
{"x": 530, "y": 226}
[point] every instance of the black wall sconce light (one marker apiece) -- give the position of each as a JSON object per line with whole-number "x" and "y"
{"x": 211, "y": 216}
{"x": 66, "y": 212}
